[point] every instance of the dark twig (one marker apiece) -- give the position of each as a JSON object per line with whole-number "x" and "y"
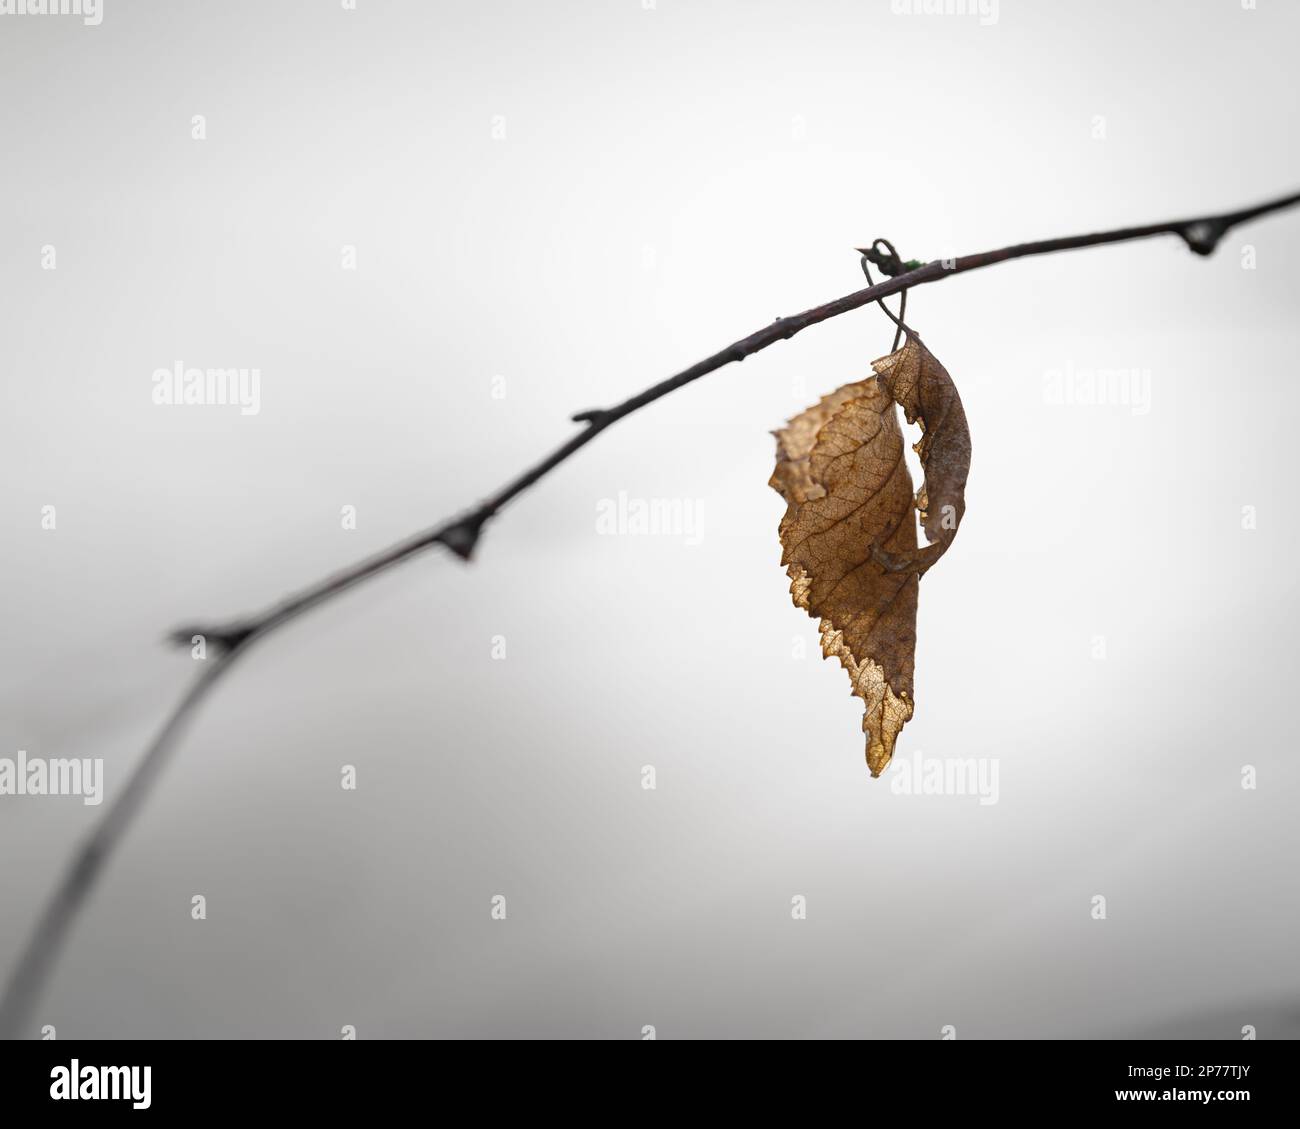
{"x": 29, "y": 975}
{"x": 461, "y": 534}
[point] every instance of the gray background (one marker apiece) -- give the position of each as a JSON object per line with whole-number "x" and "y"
{"x": 669, "y": 180}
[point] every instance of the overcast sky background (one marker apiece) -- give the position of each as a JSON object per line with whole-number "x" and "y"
{"x": 566, "y": 202}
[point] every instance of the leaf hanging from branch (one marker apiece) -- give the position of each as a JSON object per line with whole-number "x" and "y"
{"x": 849, "y": 530}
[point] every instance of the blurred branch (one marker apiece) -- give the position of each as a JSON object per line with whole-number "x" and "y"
{"x": 461, "y": 535}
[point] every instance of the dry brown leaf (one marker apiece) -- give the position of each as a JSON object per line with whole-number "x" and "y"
{"x": 849, "y": 531}
{"x": 841, "y": 471}
{"x": 921, "y": 386}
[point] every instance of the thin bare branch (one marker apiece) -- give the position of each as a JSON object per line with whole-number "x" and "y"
{"x": 46, "y": 943}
